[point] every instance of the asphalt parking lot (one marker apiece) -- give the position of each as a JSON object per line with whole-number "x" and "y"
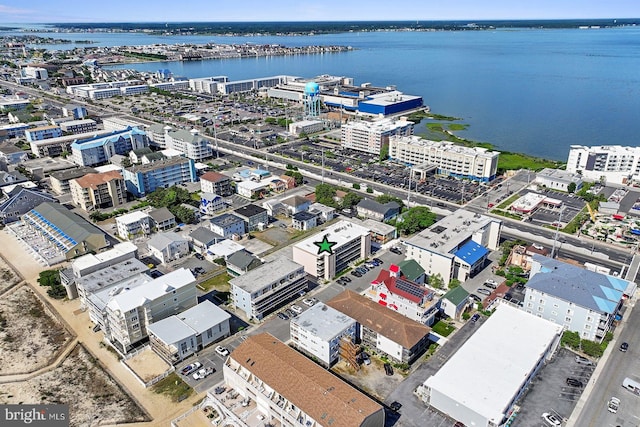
{"x": 549, "y": 391}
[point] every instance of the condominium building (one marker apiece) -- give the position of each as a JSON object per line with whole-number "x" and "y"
{"x": 144, "y": 179}
{"x": 456, "y": 246}
{"x": 206, "y": 84}
{"x": 255, "y": 217}
{"x": 318, "y": 331}
{"x": 189, "y": 143}
{"x": 120, "y": 123}
{"x": 168, "y": 246}
{"x": 347, "y": 241}
{"x": 614, "y": 164}
{"x": 287, "y": 386}
{"x": 227, "y": 225}
{"x": 474, "y": 163}
{"x": 19, "y": 201}
{"x": 100, "y": 149}
{"x": 98, "y": 191}
{"x": 79, "y": 126}
{"x": 133, "y": 224}
{"x": 217, "y": 183}
{"x": 60, "y": 179}
{"x": 211, "y": 203}
{"x": 157, "y": 134}
{"x": 260, "y": 291}
{"x": 370, "y": 137}
{"x": 130, "y": 307}
{"x": 43, "y": 132}
{"x": 56, "y": 146}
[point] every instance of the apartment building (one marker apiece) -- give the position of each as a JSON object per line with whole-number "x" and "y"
{"x": 228, "y": 225}
{"x": 168, "y": 246}
{"x": 43, "y": 132}
{"x": 474, "y": 163}
{"x": 615, "y": 164}
{"x": 189, "y": 143}
{"x": 371, "y": 137}
{"x": 144, "y": 179}
{"x": 456, "y": 246}
{"x": 217, "y": 183}
{"x": 100, "y": 149}
{"x": 96, "y": 191}
{"x": 264, "y": 289}
{"x": 162, "y": 219}
{"x": 287, "y": 386}
{"x": 318, "y": 331}
{"x": 79, "y": 126}
{"x": 211, "y": 203}
{"x": 348, "y": 242}
{"x": 133, "y": 224}
{"x": 254, "y": 217}
{"x": 372, "y": 209}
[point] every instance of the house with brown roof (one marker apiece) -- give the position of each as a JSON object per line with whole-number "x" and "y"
{"x": 216, "y": 183}
{"x": 95, "y": 191}
{"x": 287, "y": 386}
{"x": 383, "y": 330}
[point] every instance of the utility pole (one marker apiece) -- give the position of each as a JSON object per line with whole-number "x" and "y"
{"x": 409, "y": 191}
{"x": 555, "y": 238}
{"x": 322, "y": 151}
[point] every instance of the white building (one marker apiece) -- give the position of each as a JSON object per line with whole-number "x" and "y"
{"x": 168, "y": 247}
{"x": 348, "y": 242}
{"x": 287, "y": 386}
{"x": 79, "y": 126}
{"x": 486, "y": 397}
{"x": 133, "y": 224}
{"x": 614, "y": 164}
{"x": 370, "y": 137}
{"x": 250, "y": 189}
{"x": 456, "y": 246}
{"x": 266, "y": 288}
{"x": 557, "y": 179}
{"x": 125, "y": 310}
{"x": 228, "y": 225}
{"x": 306, "y": 126}
{"x": 178, "y": 337}
{"x": 579, "y": 300}
{"x": 189, "y": 143}
{"x": 474, "y": 163}
{"x": 318, "y": 332}
{"x": 211, "y": 203}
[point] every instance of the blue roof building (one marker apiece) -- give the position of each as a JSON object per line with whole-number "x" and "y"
{"x": 100, "y": 149}
{"x": 581, "y": 300}
{"x": 144, "y": 179}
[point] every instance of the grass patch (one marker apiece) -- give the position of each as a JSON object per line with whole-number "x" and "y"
{"x": 173, "y": 387}
{"x": 458, "y": 126}
{"x": 508, "y": 202}
{"x": 507, "y": 214}
{"x": 443, "y": 329}
{"x": 435, "y": 127}
{"x": 220, "y": 283}
{"x": 510, "y": 161}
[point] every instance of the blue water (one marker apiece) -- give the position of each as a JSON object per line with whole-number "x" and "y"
{"x": 535, "y": 91}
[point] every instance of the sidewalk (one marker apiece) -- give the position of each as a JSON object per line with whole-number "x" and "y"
{"x": 159, "y": 408}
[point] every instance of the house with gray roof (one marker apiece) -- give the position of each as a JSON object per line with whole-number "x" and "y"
{"x": 580, "y": 300}
{"x": 227, "y": 225}
{"x": 19, "y": 201}
{"x": 168, "y": 246}
{"x": 378, "y": 211}
{"x": 162, "y": 219}
{"x": 304, "y": 221}
{"x": 178, "y": 337}
{"x": 242, "y": 262}
{"x": 296, "y": 204}
{"x": 202, "y": 238}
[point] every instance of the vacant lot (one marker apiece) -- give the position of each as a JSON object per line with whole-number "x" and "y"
{"x": 8, "y": 277}
{"x": 30, "y": 336}
{"x": 94, "y": 397}
{"x": 370, "y": 378}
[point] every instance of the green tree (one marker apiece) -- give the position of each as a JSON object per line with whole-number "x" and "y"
{"x": 183, "y": 214}
{"x": 384, "y": 152}
{"x": 570, "y": 339}
{"x": 325, "y": 194}
{"x": 454, "y": 283}
{"x": 369, "y": 190}
{"x": 295, "y": 175}
{"x": 351, "y": 199}
{"x": 571, "y": 188}
{"x": 356, "y": 186}
{"x": 385, "y": 198}
{"x": 416, "y": 219}
{"x": 436, "y": 281}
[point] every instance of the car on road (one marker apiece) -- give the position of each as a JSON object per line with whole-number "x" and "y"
{"x": 583, "y": 360}
{"x": 190, "y": 368}
{"x": 551, "y": 419}
{"x": 222, "y": 351}
{"x": 396, "y": 251}
{"x": 199, "y": 256}
{"x": 203, "y": 373}
{"x": 624, "y": 347}
{"x": 484, "y": 291}
{"x": 613, "y": 405}
{"x": 296, "y": 309}
{"x": 283, "y": 316}
{"x": 574, "y": 382}
{"x": 395, "y": 406}
{"x": 308, "y": 302}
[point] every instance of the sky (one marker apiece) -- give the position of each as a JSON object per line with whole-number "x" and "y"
{"x": 51, "y": 11}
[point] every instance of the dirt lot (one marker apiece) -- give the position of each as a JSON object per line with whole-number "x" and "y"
{"x": 370, "y": 378}
{"x": 30, "y": 337}
{"x": 148, "y": 365}
{"x": 8, "y": 277}
{"x": 94, "y": 397}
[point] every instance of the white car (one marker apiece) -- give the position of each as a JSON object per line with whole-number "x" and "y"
{"x": 613, "y": 405}
{"x": 203, "y": 373}
{"x": 551, "y": 419}
{"x": 308, "y": 302}
{"x": 222, "y": 351}
{"x": 296, "y": 309}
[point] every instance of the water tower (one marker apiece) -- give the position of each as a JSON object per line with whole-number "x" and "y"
{"x": 311, "y": 100}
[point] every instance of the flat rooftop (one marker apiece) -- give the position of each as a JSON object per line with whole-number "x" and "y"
{"x": 341, "y": 232}
{"x": 267, "y": 273}
{"x": 323, "y": 321}
{"x": 112, "y": 276}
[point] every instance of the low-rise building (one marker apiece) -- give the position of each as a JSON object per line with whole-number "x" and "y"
{"x": 178, "y": 337}
{"x": 371, "y": 209}
{"x": 241, "y": 262}
{"x": 252, "y": 189}
{"x": 133, "y": 224}
{"x": 217, "y": 183}
{"x": 262, "y": 290}
{"x": 323, "y": 212}
{"x": 168, "y": 247}
{"x": 411, "y": 270}
{"x": 384, "y": 331}
{"x": 306, "y": 127}
{"x": 296, "y": 204}
{"x": 254, "y": 217}
{"x": 455, "y": 302}
{"x": 346, "y": 242}
{"x": 98, "y": 191}
{"x": 60, "y": 179}
{"x": 12, "y": 155}
{"x": 211, "y": 203}
{"x": 318, "y": 331}
{"x": 202, "y": 238}
{"x": 304, "y": 221}
{"x": 287, "y": 386}
{"x": 79, "y": 126}
{"x": 162, "y": 219}
{"x": 43, "y": 132}
{"x": 19, "y": 201}
{"x": 228, "y": 225}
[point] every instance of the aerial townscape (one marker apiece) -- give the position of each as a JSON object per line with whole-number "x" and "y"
{"x": 297, "y": 250}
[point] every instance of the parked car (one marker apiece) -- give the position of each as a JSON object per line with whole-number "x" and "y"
{"x": 378, "y": 260}
{"x": 308, "y": 302}
{"x": 583, "y": 360}
{"x": 283, "y": 316}
{"x": 222, "y": 351}
{"x": 296, "y": 309}
{"x": 290, "y": 312}
{"x": 491, "y": 284}
{"x": 199, "y": 256}
{"x": 475, "y": 317}
{"x": 190, "y": 368}
{"x": 574, "y": 382}
{"x": 624, "y": 347}
{"x": 551, "y": 419}
{"x": 203, "y": 373}
{"x": 364, "y": 357}
{"x": 475, "y": 297}
{"x": 613, "y": 405}
{"x": 346, "y": 279}
{"x": 395, "y": 406}
{"x": 388, "y": 369}
{"x": 356, "y": 273}
{"x": 483, "y": 291}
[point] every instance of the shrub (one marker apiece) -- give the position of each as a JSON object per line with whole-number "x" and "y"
{"x": 570, "y": 339}
{"x": 593, "y": 349}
